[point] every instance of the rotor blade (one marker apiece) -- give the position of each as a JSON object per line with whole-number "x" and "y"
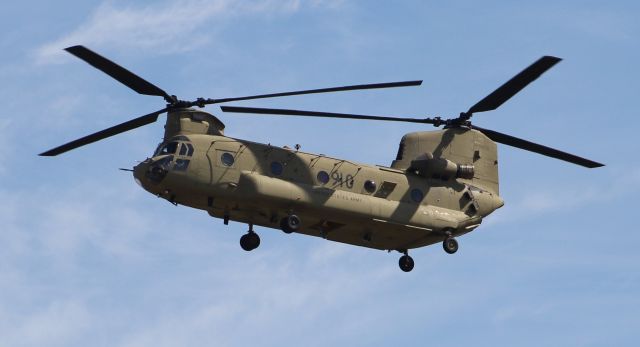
{"x": 514, "y": 85}
{"x": 534, "y": 147}
{"x": 118, "y": 72}
{"x": 285, "y": 112}
{"x": 103, "y": 134}
{"x": 323, "y": 90}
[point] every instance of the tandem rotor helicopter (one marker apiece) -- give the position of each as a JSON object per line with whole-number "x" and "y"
{"x": 441, "y": 184}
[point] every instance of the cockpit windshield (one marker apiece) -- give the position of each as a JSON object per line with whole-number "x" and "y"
{"x": 184, "y": 148}
{"x": 169, "y": 148}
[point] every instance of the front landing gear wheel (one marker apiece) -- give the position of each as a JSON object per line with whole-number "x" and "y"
{"x": 406, "y": 263}
{"x": 450, "y": 245}
{"x": 250, "y": 241}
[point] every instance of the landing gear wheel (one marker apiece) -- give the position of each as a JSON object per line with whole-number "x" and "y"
{"x": 450, "y": 245}
{"x": 406, "y": 263}
{"x": 290, "y": 223}
{"x": 250, "y": 241}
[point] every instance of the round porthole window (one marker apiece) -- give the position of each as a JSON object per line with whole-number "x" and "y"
{"x": 227, "y": 159}
{"x": 276, "y": 168}
{"x": 370, "y": 186}
{"x": 323, "y": 177}
{"x": 417, "y": 195}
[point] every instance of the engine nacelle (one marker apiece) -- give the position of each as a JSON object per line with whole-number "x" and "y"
{"x": 440, "y": 168}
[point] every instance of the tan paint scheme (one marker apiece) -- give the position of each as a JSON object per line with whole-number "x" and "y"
{"x": 249, "y": 192}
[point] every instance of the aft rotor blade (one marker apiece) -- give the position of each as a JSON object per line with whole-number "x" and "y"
{"x": 322, "y": 90}
{"x": 118, "y": 72}
{"x": 540, "y": 149}
{"x": 103, "y": 134}
{"x": 514, "y": 85}
{"x": 286, "y": 112}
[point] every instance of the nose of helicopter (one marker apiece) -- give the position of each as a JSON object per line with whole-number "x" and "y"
{"x": 138, "y": 172}
{"x": 152, "y": 171}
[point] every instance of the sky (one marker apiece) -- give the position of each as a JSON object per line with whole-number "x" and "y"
{"x": 89, "y": 258}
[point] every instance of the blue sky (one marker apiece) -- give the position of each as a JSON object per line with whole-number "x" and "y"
{"x": 89, "y": 258}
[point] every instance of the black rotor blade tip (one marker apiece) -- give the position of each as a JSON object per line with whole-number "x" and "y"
{"x": 537, "y": 148}
{"x": 514, "y": 85}
{"x": 105, "y": 133}
{"x": 117, "y": 72}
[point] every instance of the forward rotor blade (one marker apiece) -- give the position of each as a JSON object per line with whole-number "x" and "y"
{"x": 118, "y": 72}
{"x": 286, "y": 112}
{"x": 323, "y": 90}
{"x": 103, "y": 134}
{"x": 540, "y": 149}
{"x": 514, "y": 85}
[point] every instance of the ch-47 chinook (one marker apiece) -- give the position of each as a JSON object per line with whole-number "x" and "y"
{"x": 440, "y": 186}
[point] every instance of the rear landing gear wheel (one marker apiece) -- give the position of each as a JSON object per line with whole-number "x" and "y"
{"x": 406, "y": 263}
{"x": 250, "y": 241}
{"x": 450, "y": 245}
{"x": 290, "y": 223}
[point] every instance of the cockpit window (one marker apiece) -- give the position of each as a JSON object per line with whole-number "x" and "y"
{"x": 169, "y": 148}
{"x": 186, "y": 149}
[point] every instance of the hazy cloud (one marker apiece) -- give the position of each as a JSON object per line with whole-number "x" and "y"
{"x": 56, "y": 324}
{"x": 535, "y": 202}
{"x": 167, "y": 27}
{"x": 263, "y": 290}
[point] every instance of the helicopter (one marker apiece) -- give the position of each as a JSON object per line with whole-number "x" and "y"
{"x": 441, "y": 185}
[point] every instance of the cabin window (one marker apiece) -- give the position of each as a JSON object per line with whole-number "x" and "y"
{"x": 227, "y": 159}
{"x": 370, "y": 186}
{"x": 190, "y": 152}
{"x": 323, "y": 177}
{"x": 417, "y": 195}
{"x": 276, "y": 168}
{"x": 183, "y": 149}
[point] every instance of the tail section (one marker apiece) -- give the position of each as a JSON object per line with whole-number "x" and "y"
{"x": 451, "y": 152}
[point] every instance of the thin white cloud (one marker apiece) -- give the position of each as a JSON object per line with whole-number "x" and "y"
{"x": 57, "y": 324}
{"x": 167, "y": 27}
{"x": 225, "y": 287}
{"x": 562, "y": 199}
